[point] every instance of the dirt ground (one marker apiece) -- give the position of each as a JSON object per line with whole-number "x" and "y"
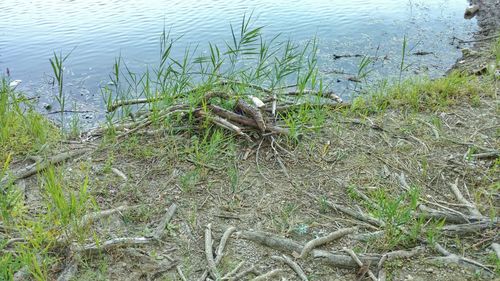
{"x": 287, "y": 190}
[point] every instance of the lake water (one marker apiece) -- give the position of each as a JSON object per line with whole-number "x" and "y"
{"x": 101, "y": 30}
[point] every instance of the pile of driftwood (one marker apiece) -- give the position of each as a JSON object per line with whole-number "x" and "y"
{"x": 250, "y": 115}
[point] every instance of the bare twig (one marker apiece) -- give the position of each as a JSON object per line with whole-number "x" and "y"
{"x": 212, "y": 268}
{"x": 453, "y": 258}
{"x": 269, "y": 275}
{"x": 92, "y": 217}
{"x": 119, "y": 173}
{"x": 37, "y": 167}
{"x": 325, "y": 239}
{"x": 293, "y": 265}
{"x": 234, "y": 271}
{"x": 472, "y": 209}
{"x": 293, "y": 248}
{"x": 223, "y": 241}
{"x": 164, "y": 221}
{"x": 359, "y": 263}
{"x": 244, "y": 273}
{"x": 253, "y": 112}
{"x": 113, "y": 243}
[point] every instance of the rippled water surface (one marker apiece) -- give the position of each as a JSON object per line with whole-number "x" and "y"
{"x": 103, "y": 29}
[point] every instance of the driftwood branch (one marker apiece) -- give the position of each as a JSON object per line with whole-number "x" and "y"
{"x": 291, "y": 247}
{"x": 472, "y": 209}
{"x": 325, "y": 239}
{"x": 40, "y": 166}
{"x": 212, "y": 267}
{"x": 111, "y": 244}
{"x": 293, "y": 265}
{"x": 269, "y": 275}
{"x": 164, "y": 221}
{"x": 360, "y": 263}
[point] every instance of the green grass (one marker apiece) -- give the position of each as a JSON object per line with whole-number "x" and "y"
{"x": 421, "y": 94}
{"x": 22, "y": 131}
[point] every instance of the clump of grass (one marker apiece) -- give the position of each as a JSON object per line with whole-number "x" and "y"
{"x": 59, "y": 216}
{"x": 22, "y": 130}
{"x": 420, "y": 94}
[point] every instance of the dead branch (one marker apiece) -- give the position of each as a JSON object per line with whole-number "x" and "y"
{"x": 314, "y": 243}
{"x": 400, "y": 254}
{"x": 37, "y": 167}
{"x": 181, "y": 274}
{"x": 364, "y": 237}
{"x": 223, "y": 123}
{"x": 473, "y": 227}
{"x": 244, "y": 273}
{"x": 246, "y": 121}
{"x": 164, "y": 221}
{"x": 119, "y": 173}
{"x": 472, "y": 209}
{"x": 212, "y": 268}
{"x": 269, "y": 275}
{"x": 234, "y": 271}
{"x": 92, "y": 217}
{"x": 111, "y": 244}
{"x": 360, "y": 263}
{"x": 253, "y": 112}
{"x": 293, "y": 265}
{"x": 430, "y": 213}
{"x": 293, "y": 248}
{"x": 459, "y": 260}
{"x": 222, "y": 244}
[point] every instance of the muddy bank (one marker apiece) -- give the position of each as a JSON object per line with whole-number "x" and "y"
{"x": 476, "y": 52}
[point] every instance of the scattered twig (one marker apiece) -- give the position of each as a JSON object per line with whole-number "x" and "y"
{"x": 181, "y": 274}
{"x": 234, "y": 271}
{"x": 90, "y": 218}
{"x": 164, "y": 221}
{"x": 453, "y": 258}
{"x": 270, "y": 275}
{"x": 244, "y": 273}
{"x": 37, "y": 167}
{"x": 111, "y": 244}
{"x": 325, "y": 239}
{"x": 223, "y": 241}
{"x": 212, "y": 267}
{"x": 293, "y": 265}
{"x": 119, "y": 173}
{"x": 360, "y": 263}
{"x": 472, "y": 209}
{"x": 358, "y": 215}
{"x": 253, "y": 112}
{"x": 293, "y": 248}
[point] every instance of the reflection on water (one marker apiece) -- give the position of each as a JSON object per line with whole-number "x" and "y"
{"x": 103, "y": 29}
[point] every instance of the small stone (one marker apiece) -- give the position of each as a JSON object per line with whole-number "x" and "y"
{"x": 47, "y": 106}
{"x": 409, "y": 277}
{"x": 429, "y": 270}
